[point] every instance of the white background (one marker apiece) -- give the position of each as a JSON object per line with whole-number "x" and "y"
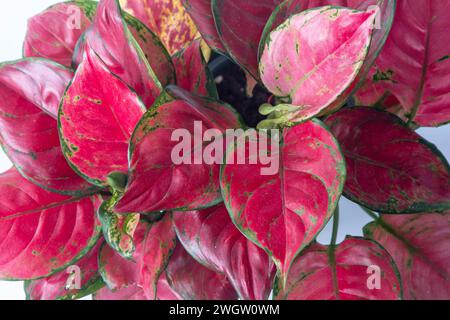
{"x": 13, "y": 19}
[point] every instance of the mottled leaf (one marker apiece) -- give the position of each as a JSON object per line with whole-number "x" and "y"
{"x": 192, "y": 281}
{"x": 155, "y": 182}
{"x": 42, "y": 233}
{"x": 302, "y": 53}
{"x": 167, "y": 18}
{"x": 419, "y": 245}
{"x": 201, "y": 12}
{"x": 192, "y": 71}
{"x": 212, "y": 239}
{"x": 30, "y": 92}
{"x": 284, "y": 210}
{"x": 96, "y": 120}
{"x": 390, "y": 168}
{"x": 357, "y": 269}
{"x": 60, "y": 285}
{"x": 54, "y": 33}
{"x": 416, "y": 60}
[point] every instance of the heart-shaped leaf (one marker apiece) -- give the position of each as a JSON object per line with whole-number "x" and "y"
{"x": 201, "y": 12}
{"x": 192, "y": 281}
{"x": 192, "y": 71}
{"x": 416, "y": 58}
{"x": 132, "y": 52}
{"x": 212, "y": 239}
{"x": 300, "y": 53}
{"x": 240, "y": 24}
{"x": 30, "y": 91}
{"x": 390, "y": 168}
{"x": 95, "y": 125}
{"x": 357, "y": 269}
{"x": 384, "y": 19}
{"x": 419, "y": 245}
{"x": 54, "y": 33}
{"x": 157, "y": 179}
{"x": 283, "y": 212}
{"x": 62, "y": 285}
{"x": 167, "y": 18}
{"x": 42, "y": 232}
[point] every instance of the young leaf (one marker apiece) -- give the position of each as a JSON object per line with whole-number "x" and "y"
{"x": 30, "y": 91}
{"x": 300, "y": 53}
{"x": 200, "y": 12}
{"x": 283, "y": 212}
{"x": 390, "y": 168}
{"x": 384, "y": 19}
{"x": 132, "y": 53}
{"x": 212, "y": 239}
{"x": 357, "y": 269}
{"x": 167, "y": 18}
{"x": 42, "y": 233}
{"x": 240, "y": 24}
{"x": 192, "y": 281}
{"x": 60, "y": 285}
{"x": 419, "y": 245}
{"x": 96, "y": 119}
{"x": 192, "y": 71}
{"x": 155, "y": 182}
{"x": 54, "y": 33}
{"x": 416, "y": 56}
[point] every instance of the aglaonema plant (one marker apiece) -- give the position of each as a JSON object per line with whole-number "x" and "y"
{"x": 92, "y": 117}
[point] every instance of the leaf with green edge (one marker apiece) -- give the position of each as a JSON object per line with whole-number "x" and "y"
{"x": 192, "y": 281}
{"x": 118, "y": 229}
{"x": 42, "y": 233}
{"x": 54, "y": 33}
{"x": 384, "y": 22}
{"x": 201, "y": 12}
{"x": 30, "y": 91}
{"x": 167, "y": 18}
{"x": 213, "y": 240}
{"x": 390, "y": 168}
{"x": 419, "y": 245}
{"x": 55, "y": 286}
{"x": 129, "y": 50}
{"x": 345, "y": 272}
{"x": 240, "y": 24}
{"x": 95, "y": 125}
{"x": 299, "y": 54}
{"x": 192, "y": 71}
{"x": 156, "y": 183}
{"x": 416, "y": 56}
{"x": 283, "y": 211}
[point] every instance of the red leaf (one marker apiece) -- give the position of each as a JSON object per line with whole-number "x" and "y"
{"x": 95, "y": 125}
{"x": 41, "y": 232}
{"x": 390, "y": 167}
{"x": 379, "y": 35}
{"x": 343, "y": 273}
{"x": 155, "y": 183}
{"x": 54, "y": 33}
{"x": 192, "y": 71}
{"x": 300, "y": 53}
{"x": 240, "y": 24}
{"x": 127, "y": 51}
{"x": 419, "y": 245}
{"x": 285, "y": 211}
{"x": 213, "y": 240}
{"x": 167, "y": 18}
{"x": 200, "y": 12}
{"x": 30, "y": 92}
{"x": 132, "y": 292}
{"x": 55, "y": 286}
{"x": 416, "y": 56}
{"x": 192, "y": 281}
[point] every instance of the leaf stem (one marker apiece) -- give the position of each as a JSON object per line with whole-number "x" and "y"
{"x": 370, "y": 213}
{"x": 335, "y": 227}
